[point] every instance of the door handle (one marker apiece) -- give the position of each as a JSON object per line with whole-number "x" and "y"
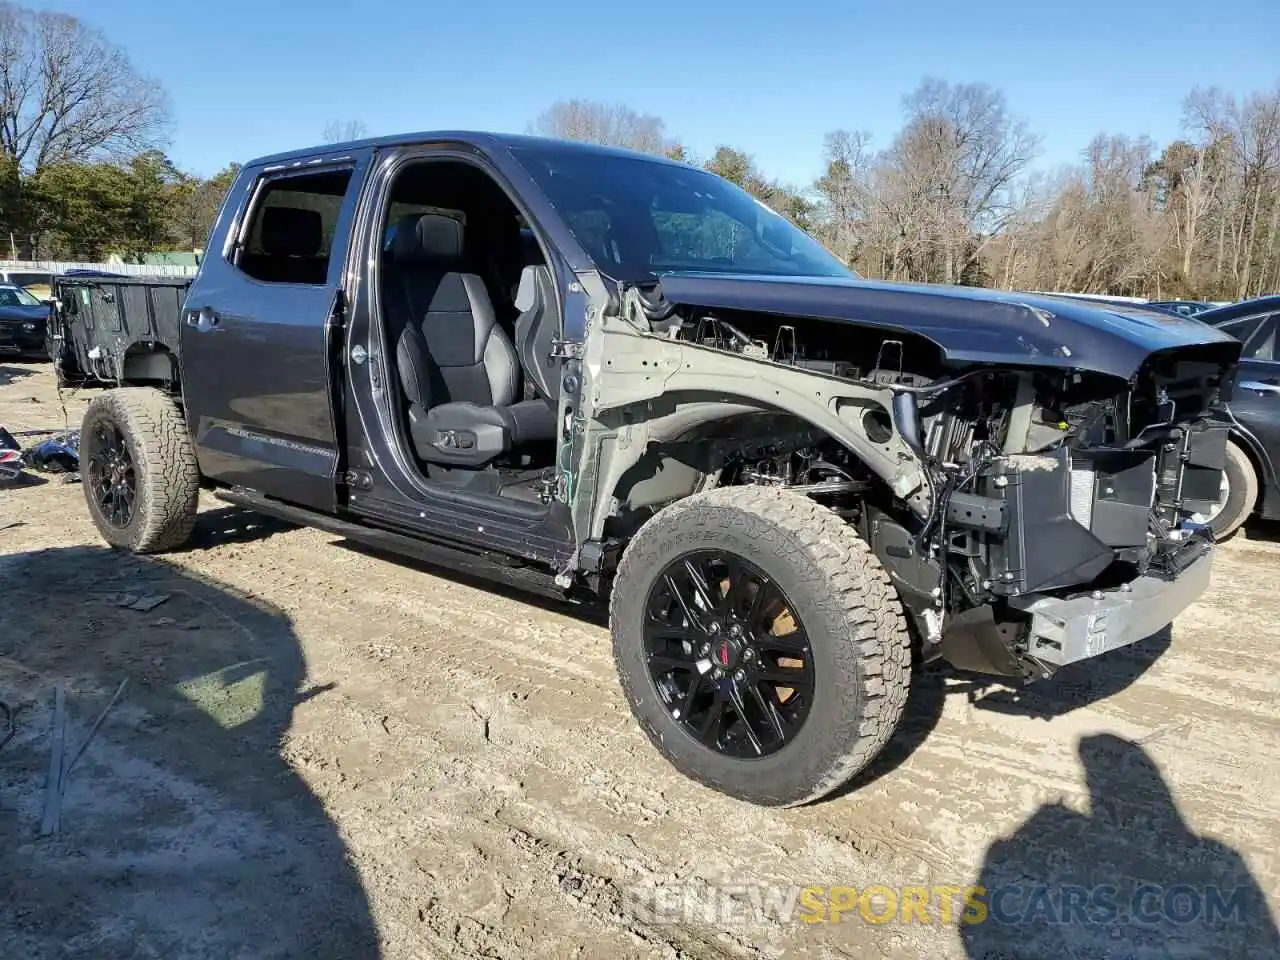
{"x": 204, "y": 320}
{"x": 1260, "y": 387}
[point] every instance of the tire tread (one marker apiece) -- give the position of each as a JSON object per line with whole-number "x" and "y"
{"x": 880, "y": 652}
{"x": 168, "y": 476}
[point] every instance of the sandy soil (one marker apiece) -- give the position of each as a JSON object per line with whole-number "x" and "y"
{"x": 325, "y": 753}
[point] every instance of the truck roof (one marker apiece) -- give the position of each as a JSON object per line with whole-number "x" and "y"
{"x": 472, "y": 137}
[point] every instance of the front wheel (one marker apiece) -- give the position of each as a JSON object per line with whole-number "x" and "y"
{"x": 760, "y": 643}
{"x": 138, "y": 470}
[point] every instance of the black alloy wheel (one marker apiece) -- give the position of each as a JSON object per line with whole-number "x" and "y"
{"x": 761, "y": 647}
{"x": 727, "y": 654}
{"x": 138, "y": 470}
{"x": 112, "y": 478}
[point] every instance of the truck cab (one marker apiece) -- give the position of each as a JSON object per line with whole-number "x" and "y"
{"x": 350, "y": 343}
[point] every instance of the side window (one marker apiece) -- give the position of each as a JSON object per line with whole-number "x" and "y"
{"x": 1241, "y": 329}
{"x": 1262, "y": 344}
{"x": 288, "y": 235}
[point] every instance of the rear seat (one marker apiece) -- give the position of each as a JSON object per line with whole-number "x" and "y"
{"x": 291, "y": 242}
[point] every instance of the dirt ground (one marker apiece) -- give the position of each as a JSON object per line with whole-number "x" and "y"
{"x": 321, "y": 752}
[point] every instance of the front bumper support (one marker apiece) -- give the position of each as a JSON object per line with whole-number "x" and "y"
{"x": 1067, "y": 630}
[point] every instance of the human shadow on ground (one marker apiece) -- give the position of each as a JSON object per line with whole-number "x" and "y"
{"x": 1129, "y": 878}
{"x": 183, "y": 832}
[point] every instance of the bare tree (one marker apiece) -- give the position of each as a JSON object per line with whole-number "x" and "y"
{"x": 343, "y": 131}
{"x": 614, "y": 125}
{"x": 845, "y": 192}
{"x": 68, "y": 94}
{"x": 959, "y": 157}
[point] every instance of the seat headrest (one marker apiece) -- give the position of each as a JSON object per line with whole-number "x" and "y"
{"x": 291, "y": 232}
{"x": 428, "y": 238}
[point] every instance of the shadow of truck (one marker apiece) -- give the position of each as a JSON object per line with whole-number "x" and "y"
{"x": 183, "y": 830}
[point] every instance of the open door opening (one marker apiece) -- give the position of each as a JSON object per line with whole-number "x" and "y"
{"x": 468, "y": 313}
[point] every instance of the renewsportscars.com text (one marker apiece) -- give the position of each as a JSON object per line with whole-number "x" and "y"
{"x": 737, "y": 904}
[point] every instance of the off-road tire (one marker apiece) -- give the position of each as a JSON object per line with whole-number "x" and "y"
{"x": 1242, "y": 493}
{"x": 167, "y": 477}
{"x": 855, "y": 622}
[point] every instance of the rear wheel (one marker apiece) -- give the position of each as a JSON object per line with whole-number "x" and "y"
{"x": 760, "y": 644}
{"x": 138, "y": 470}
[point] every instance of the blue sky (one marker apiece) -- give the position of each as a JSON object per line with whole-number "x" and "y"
{"x": 248, "y": 78}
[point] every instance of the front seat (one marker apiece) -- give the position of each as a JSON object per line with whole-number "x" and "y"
{"x": 458, "y": 369}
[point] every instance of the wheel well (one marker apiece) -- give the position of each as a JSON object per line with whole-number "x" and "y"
{"x": 748, "y": 447}
{"x": 150, "y": 365}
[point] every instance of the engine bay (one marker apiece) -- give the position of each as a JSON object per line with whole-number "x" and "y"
{"x": 1042, "y": 478}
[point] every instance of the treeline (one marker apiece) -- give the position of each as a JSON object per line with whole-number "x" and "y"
{"x": 88, "y": 211}
{"x": 81, "y": 175}
{"x": 955, "y": 195}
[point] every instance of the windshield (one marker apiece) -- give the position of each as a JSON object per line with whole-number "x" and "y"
{"x": 17, "y": 297}
{"x": 30, "y": 279}
{"x": 638, "y": 218}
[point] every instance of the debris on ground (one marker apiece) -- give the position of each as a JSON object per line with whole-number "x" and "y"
{"x": 59, "y": 454}
{"x": 92, "y": 732}
{"x": 51, "y": 818}
{"x": 145, "y": 604}
{"x": 11, "y": 463}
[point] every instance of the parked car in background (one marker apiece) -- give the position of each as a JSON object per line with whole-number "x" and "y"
{"x": 1188, "y": 308}
{"x": 38, "y": 283}
{"x": 1123, "y": 304}
{"x": 1250, "y": 481}
{"x": 24, "y": 321}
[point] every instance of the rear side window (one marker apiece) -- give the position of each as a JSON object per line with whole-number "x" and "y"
{"x": 1262, "y": 344}
{"x": 288, "y": 235}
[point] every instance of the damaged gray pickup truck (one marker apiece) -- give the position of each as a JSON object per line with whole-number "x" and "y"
{"x": 596, "y": 373}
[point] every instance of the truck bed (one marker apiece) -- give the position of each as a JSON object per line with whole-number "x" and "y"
{"x": 104, "y": 323}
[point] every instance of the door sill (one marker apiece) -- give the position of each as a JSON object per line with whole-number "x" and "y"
{"x": 454, "y": 555}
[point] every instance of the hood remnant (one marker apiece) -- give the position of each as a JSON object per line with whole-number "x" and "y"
{"x": 970, "y": 325}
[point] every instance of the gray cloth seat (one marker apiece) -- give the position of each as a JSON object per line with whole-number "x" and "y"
{"x": 459, "y": 371}
{"x": 536, "y": 330}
